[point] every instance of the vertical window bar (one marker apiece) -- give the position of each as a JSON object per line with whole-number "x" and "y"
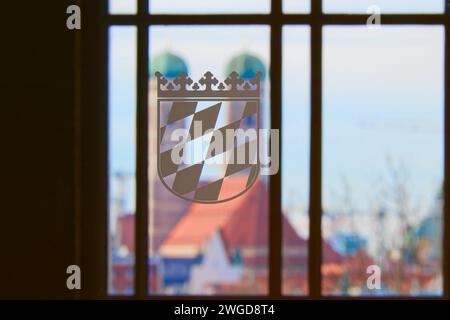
{"x": 94, "y": 126}
{"x": 77, "y": 147}
{"x": 141, "y": 224}
{"x": 446, "y": 240}
{"x": 275, "y": 180}
{"x": 315, "y": 209}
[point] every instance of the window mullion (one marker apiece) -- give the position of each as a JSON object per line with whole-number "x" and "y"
{"x": 315, "y": 193}
{"x": 275, "y": 225}
{"x": 141, "y": 224}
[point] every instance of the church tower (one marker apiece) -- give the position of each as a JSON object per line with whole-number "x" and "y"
{"x": 165, "y": 209}
{"x": 247, "y": 66}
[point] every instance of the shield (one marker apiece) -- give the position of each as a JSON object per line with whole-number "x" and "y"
{"x": 208, "y": 136}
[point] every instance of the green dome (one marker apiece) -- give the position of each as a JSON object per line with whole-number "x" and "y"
{"x": 429, "y": 228}
{"x": 247, "y": 66}
{"x": 168, "y": 64}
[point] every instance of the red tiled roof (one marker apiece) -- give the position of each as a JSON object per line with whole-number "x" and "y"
{"x": 249, "y": 225}
{"x": 202, "y": 220}
{"x": 243, "y": 223}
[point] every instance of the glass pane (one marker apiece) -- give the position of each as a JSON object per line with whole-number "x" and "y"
{"x": 296, "y": 6}
{"x": 122, "y": 6}
{"x": 121, "y": 156}
{"x": 198, "y": 248}
{"x": 384, "y": 6}
{"x": 383, "y": 160}
{"x": 295, "y": 159}
{"x": 209, "y": 6}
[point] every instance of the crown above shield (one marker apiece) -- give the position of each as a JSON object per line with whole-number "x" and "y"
{"x": 209, "y": 86}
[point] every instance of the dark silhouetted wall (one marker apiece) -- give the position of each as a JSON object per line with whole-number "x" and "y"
{"x": 36, "y": 84}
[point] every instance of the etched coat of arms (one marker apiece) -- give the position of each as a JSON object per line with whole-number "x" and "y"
{"x": 207, "y": 135}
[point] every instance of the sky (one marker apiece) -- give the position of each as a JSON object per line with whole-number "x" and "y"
{"x": 382, "y": 98}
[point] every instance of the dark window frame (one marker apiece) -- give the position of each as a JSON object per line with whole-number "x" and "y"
{"x": 93, "y": 166}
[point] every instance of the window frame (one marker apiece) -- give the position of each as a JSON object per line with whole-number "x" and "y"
{"x": 93, "y": 125}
